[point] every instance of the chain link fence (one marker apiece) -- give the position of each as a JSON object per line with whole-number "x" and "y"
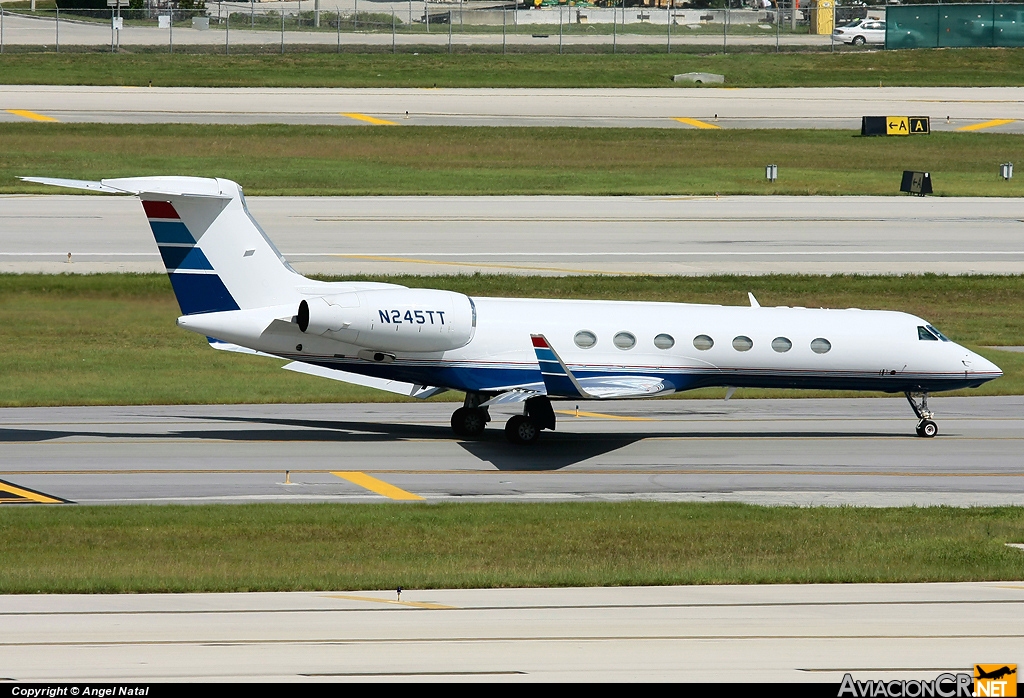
{"x": 261, "y": 27}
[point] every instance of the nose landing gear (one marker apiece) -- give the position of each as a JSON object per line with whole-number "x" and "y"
{"x": 926, "y": 428}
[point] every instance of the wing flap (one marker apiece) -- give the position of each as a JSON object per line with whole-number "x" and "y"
{"x": 421, "y": 392}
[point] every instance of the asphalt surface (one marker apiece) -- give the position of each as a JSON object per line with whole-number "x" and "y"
{"x": 799, "y": 633}
{"x": 772, "y": 452}
{"x": 987, "y": 109}
{"x": 551, "y": 235}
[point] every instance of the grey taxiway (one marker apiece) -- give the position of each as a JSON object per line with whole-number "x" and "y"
{"x": 727, "y": 634}
{"x": 985, "y": 109}
{"x": 772, "y": 452}
{"x": 550, "y": 234}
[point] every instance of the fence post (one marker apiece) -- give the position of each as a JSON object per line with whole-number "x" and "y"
{"x": 1, "y": 30}
{"x": 778, "y": 22}
{"x": 393, "y": 45}
{"x": 355, "y": 16}
{"x": 227, "y": 34}
{"x": 559, "y": 29}
{"x": 170, "y": 30}
{"x": 725, "y": 29}
{"x": 338, "y": 10}
{"x": 252, "y": 14}
{"x": 282, "y": 30}
{"x": 449, "y": 31}
{"x": 426, "y": 15}
{"x": 503, "y": 13}
{"x": 668, "y": 48}
{"x": 615, "y": 17}
{"x": 112, "y": 30}
{"x": 57, "y": 30}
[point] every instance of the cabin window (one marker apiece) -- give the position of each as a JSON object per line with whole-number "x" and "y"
{"x": 781, "y": 345}
{"x": 938, "y": 334}
{"x": 742, "y": 343}
{"x": 664, "y": 341}
{"x": 923, "y": 333}
{"x": 624, "y": 340}
{"x": 821, "y": 346}
{"x": 703, "y": 342}
{"x": 585, "y": 339}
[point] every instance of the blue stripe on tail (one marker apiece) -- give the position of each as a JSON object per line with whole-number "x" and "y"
{"x": 201, "y": 293}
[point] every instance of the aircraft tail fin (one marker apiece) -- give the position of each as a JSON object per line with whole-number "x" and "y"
{"x": 216, "y": 255}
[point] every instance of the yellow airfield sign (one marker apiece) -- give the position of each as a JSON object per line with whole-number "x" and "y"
{"x": 897, "y": 126}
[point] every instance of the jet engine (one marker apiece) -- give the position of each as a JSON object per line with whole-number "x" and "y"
{"x": 401, "y": 319}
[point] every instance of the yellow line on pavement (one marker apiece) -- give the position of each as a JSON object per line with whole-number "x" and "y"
{"x": 413, "y": 604}
{"x": 29, "y": 115}
{"x": 579, "y": 413}
{"x": 378, "y": 486}
{"x": 986, "y": 124}
{"x": 697, "y": 123}
{"x": 369, "y": 119}
{"x": 26, "y": 494}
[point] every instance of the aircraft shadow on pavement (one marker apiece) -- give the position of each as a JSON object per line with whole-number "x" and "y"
{"x": 552, "y": 451}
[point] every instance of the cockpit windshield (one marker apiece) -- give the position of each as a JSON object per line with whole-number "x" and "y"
{"x": 930, "y": 334}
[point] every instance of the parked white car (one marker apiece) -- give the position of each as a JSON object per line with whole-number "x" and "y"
{"x": 861, "y": 31}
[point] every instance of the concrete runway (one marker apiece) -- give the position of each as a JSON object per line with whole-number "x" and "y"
{"x": 770, "y": 633}
{"x": 551, "y": 235}
{"x": 989, "y": 109}
{"x": 771, "y": 452}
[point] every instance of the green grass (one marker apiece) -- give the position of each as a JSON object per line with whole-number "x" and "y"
{"x": 111, "y": 339}
{"x": 280, "y": 547}
{"x": 742, "y": 68}
{"x": 359, "y": 160}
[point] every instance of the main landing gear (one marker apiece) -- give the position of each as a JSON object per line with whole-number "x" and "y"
{"x": 926, "y": 428}
{"x": 469, "y": 420}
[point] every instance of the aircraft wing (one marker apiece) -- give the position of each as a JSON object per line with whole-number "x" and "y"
{"x": 560, "y": 381}
{"x": 421, "y": 392}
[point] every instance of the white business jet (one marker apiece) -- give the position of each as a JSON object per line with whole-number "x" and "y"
{"x": 234, "y": 287}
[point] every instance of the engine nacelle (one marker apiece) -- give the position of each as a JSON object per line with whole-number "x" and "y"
{"x": 401, "y": 319}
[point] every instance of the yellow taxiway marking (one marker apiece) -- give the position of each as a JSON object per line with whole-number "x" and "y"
{"x": 696, "y": 123}
{"x": 378, "y": 486}
{"x": 369, "y": 119}
{"x": 986, "y": 124}
{"x": 25, "y": 114}
{"x": 413, "y": 260}
{"x": 413, "y": 604}
{"x": 579, "y": 413}
{"x": 22, "y": 495}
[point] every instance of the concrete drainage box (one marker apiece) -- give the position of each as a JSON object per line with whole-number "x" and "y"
{"x": 699, "y": 78}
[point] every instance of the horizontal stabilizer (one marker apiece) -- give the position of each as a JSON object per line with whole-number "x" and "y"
{"x": 74, "y": 184}
{"x": 421, "y": 392}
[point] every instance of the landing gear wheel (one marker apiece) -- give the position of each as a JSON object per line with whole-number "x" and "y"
{"x": 469, "y": 421}
{"x": 521, "y": 430}
{"x": 927, "y": 428}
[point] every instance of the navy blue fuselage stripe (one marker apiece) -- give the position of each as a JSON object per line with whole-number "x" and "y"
{"x": 171, "y": 231}
{"x": 184, "y": 258}
{"x": 201, "y": 293}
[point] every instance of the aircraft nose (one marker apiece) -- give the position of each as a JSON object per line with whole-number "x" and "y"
{"x": 979, "y": 365}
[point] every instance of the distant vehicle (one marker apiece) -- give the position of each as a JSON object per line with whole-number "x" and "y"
{"x": 860, "y": 32}
{"x": 903, "y": 37}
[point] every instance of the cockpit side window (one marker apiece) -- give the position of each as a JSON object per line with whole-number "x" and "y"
{"x": 923, "y": 333}
{"x": 938, "y": 334}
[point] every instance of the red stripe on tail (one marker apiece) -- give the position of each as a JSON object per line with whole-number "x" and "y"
{"x": 538, "y": 341}
{"x": 159, "y": 209}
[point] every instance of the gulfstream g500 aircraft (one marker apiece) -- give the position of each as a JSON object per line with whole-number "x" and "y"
{"x": 235, "y": 288}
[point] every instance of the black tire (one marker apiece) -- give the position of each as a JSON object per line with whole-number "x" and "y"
{"x": 927, "y": 429}
{"x": 521, "y": 430}
{"x": 859, "y": 41}
{"x": 468, "y": 422}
